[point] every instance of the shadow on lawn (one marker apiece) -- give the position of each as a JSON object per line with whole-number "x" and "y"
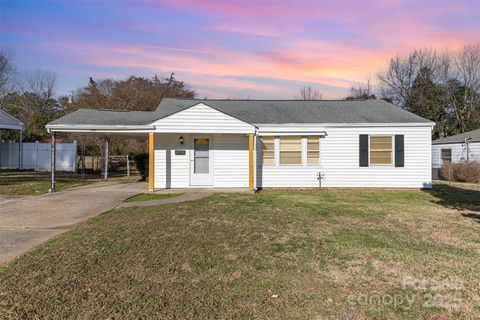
{"x": 457, "y": 198}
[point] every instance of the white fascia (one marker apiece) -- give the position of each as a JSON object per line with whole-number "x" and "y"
{"x": 11, "y": 127}
{"x": 100, "y": 128}
{"x": 263, "y": 126}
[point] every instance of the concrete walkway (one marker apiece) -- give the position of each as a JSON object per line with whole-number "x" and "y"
{"x": 188, "y": 196}
{"x": 28, "y": 221}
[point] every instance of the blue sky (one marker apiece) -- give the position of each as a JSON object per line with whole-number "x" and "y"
{"x": 239, "y": 49}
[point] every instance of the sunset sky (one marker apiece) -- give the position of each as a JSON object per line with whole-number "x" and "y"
{"x": 237, "y": 49}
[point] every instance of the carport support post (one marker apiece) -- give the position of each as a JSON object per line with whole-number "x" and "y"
{"x": 52, "y": 163}
{"x": 250, "y": 162}
{"x": 105, "y": 159}
{"x": 151, "y": 153}
{"x": 20, "y": 150}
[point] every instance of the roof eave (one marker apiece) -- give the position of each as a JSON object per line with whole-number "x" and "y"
{"x": 98, "y": 128}
{"x": 349, "y": 124}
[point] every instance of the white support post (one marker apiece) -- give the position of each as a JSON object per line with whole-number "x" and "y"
{"x": 105, "y": 159}
{"x": 36, "y": 155}
{"x": 52, "y": 163}
{"x": 20, "y": 151}
{"x": 128, "y": 166}
{"x": 10, "y": 152}
{"x": 74, "y": 169}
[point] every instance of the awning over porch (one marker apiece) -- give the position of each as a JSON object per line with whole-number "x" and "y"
{"x": 198, "y": 119}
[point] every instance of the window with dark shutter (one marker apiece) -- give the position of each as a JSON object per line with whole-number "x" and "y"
{"x": 399, "y": 150}
{"x": 363, "y": 148}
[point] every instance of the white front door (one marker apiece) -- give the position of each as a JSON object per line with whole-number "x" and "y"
{"x": 201, "y": 160}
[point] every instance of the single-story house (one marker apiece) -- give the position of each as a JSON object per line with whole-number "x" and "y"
{"x": 455, "y": 149}
{"x": 272, "y": 143}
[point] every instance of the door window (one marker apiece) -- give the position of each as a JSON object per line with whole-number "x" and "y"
{"x": 201, "y": 155}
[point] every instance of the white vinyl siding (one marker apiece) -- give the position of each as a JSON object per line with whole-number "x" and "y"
{"x": 459, "y": 152}
{"x": 229, "y": 165}
{"x": 201, "y": 118}
{"x": 171, "y": 170}
{"x": 230, "y": 160}
{"x": 339, "y": 158}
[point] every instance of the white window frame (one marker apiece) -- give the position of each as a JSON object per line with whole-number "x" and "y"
{"x": 306, "y": 152}
{"x": 274, "y": 153}
{"x": 451, "y": 155}
{"x": 304, "y": 163}
{"x": 393, "y": 151}
{"x": 302, "y": 150}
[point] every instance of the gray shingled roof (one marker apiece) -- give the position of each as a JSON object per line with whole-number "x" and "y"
{"x": 257, "y": 112}
{"x": 460, "y": 138}
{"x": 7, "y": 119}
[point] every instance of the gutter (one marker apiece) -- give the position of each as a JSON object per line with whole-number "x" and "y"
{"x": 98, "y": 128}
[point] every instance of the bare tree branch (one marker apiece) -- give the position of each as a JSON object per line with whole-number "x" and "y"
{"x": 308, "y": 93}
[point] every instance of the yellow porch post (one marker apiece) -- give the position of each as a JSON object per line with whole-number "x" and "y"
{"x": 151, "y": 156}
{"x": 250, "y": 161}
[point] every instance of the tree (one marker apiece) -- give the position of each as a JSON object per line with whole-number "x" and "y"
{"x": 41, "y": 83}
{"x": 33, "y": 102}
{"x": 462, "y": 88}
{"x": 308, "y": 93}
{"x": 397, "y": 81}
{"x": 362, "y": 91}
{"x": 446, "y": 83}
{"x": 426, "y": 100}
{"x": 6, "y": 73}
{"x": 133, "y": 93}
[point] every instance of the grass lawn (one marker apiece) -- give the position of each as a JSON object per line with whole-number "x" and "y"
{"x": 311, "y": 254}
{"x": 152, "y": 196}
{"x": 13, "y": 182}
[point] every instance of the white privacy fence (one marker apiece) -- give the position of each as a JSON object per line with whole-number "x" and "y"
{"x": 37, "y": 156}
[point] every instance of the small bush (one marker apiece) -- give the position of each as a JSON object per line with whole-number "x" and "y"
{"x": 141, "y": 161}
{"x": 461, "y": 172}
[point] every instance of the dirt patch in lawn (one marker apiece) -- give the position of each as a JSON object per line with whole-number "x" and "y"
{"x": 310, "y": 254}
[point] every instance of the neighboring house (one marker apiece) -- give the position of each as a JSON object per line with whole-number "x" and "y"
{"x": 272, "y": 143}
{"x": 9, "y": 122}
{"x": 456, "y": 149}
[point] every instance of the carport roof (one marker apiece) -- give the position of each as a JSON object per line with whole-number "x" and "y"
{"x": 7, "y": 121}
{"x": 254, "y": 112}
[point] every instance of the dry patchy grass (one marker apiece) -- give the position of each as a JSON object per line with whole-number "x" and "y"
{"x": 14, "y": 182}
{"x": 310, "y": 254}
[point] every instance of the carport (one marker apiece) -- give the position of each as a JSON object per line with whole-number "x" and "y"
{"x": 9, "y": 122}
{"x": 104, "y": 133}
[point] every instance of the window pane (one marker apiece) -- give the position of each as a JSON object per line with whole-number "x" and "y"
{"x": 201, "y": 155}
{"x": 313, "y": 150}
{"x": 381, "y": 150}
{"x": 291, "y": 150}
{"x": 268, "y": 151}
{"x": 384, "y": 143}
{"x": 380, "y": 157}
{"x": 201, "y": 165}
{"x": 446, "y": 155}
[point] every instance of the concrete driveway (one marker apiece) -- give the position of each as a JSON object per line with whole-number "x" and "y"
{"x": 28, "y": 221}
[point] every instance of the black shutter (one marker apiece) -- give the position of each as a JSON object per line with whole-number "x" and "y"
{"x": 399, "y": 150}
{"x": 363, "y": 150}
